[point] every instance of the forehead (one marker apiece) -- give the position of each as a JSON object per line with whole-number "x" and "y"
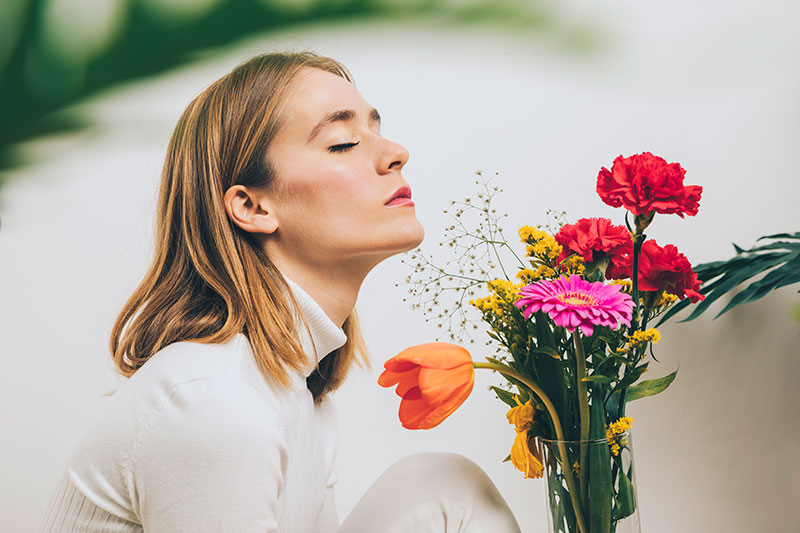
{"x": 315, "y": 93}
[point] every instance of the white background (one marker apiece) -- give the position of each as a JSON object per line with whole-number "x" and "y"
{"x": 712, "y": 85}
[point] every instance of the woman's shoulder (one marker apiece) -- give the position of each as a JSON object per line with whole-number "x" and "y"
{"x": 191, "y": 375}
{"x": 180, "y": 363}
{"x": 187, "y": 393}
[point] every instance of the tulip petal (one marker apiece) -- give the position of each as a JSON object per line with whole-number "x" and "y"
{"x": 437, "y": 385}
{"x": 389, "y": 379}
{"x": 437, "y": 415}
{"x": 435, "y": 355}
{"x": 403, "y": 380}
{"x": 413, "y": 409}
{"x": 396, "y": 365}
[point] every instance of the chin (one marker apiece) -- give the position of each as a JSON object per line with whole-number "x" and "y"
{"x": 415, "y": 237}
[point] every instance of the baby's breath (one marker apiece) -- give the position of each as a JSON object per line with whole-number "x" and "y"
{"x": 475, "y": 239}
{"x": 473, "y": 291}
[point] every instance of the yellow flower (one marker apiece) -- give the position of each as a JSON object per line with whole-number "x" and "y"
{"x": 505, "y": 290}
{"x": 666, "y": 299}
{"x": 614, "y": 433}
{"x": 540, "y": 243}
{"x": 573, "y": 265}
{"x": 485, "y": 304}
{"x": 521, "y": 415}
{"x": 529, "y": 276}
{"x": 530, "y": 235}
{"x": 525, "y": 459}
{"x": 639, "y": 339}
{"x": 496, "y": 308}
{"x": 627, "y": 285}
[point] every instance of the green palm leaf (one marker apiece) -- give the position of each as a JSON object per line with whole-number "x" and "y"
{"x": 781, "y": 259}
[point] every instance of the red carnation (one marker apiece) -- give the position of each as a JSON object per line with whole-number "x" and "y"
{"x": 645, "y": 182}
{"x": 660, "y": 268}
{"x": 589, "y": 235}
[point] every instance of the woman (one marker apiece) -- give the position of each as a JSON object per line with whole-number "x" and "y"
{"x": 276, "y": 201}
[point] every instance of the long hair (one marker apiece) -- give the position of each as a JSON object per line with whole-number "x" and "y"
{"x": 210, "y": 279}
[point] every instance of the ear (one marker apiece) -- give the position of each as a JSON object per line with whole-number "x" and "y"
{"x": 250, "y": 210}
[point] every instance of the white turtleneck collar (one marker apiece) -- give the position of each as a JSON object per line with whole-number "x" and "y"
{"x": 326, "y": 335}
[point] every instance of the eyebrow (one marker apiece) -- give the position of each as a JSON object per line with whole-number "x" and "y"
{"x": 341, "y": 115}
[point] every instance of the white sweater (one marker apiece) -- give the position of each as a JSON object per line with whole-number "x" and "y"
{"x": 198, "y": 440}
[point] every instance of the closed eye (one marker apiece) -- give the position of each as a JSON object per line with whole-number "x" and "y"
{"x": 341, "y": 147}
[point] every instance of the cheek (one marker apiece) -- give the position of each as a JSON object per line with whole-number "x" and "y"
{"x": 335, "y": 193}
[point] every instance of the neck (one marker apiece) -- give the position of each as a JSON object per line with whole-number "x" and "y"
{"x": 335, "y": 290}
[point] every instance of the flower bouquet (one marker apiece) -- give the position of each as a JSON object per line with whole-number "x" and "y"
{"x": 571, "y": 332}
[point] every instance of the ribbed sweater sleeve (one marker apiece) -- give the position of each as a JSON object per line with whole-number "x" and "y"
{"x": 211, "y": 458}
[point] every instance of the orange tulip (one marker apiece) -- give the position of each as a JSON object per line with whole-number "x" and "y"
{"x": 433, "y": 379}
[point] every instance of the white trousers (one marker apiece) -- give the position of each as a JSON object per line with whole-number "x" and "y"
{"x": 431, "y": 493}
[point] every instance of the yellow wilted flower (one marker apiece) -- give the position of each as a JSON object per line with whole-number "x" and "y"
{"x": 524, "y": 459}
{"x": 521, "y": 415}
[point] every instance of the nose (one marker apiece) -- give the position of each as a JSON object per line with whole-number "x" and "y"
{"x": 394, "y": 157}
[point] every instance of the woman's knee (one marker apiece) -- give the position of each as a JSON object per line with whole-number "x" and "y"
{"x": 441, "y": 468}
{"x": 434, "y": 484}
{"x": 457, "y": 478}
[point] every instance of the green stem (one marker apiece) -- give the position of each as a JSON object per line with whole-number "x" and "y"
{"x": 583, "y": 408}
{"x": 638, "y": 239}
{"x": 565, "y": 466}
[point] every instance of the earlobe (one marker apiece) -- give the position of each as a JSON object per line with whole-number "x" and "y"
{"x": 248, "y": 211}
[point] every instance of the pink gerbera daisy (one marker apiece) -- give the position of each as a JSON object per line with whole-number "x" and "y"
{"x": 577, "y": 303}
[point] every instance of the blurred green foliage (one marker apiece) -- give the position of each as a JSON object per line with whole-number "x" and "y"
{"x": 54, "y": 53}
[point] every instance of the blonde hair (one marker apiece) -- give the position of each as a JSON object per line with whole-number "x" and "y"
{"x": 209, "y": 278}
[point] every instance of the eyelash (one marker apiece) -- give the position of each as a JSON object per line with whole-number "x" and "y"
{"x": 342, "y": 147}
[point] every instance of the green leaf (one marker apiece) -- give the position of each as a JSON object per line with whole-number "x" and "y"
{"x": 650, "y": 387}
{"x": 598, "y": 379}
{"x": 507, "y": 459}
{"x": 631, "y": 376}
{"x": 505, "y": 396}
{"x": 600, "y": 488}
{"x": 781, "y": 236}
{"x": 733, "y": 278}
{"x": 626, "y": 500}
{"x": 780, "y": 245}
{"x": 547, "y": 350}
{"x": 745, "y": 265}
{"x": 549, "y": 369}
{"x": 786, "y": 274}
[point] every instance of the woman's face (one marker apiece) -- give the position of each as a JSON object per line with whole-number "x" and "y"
{"x": 334, "y": 176}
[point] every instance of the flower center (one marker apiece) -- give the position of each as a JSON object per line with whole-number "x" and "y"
{"x": 576, "y": 298}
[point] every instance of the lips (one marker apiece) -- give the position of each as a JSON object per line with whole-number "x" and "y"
{"x": 402, "y": 192}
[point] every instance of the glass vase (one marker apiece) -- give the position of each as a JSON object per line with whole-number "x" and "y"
{"x": 603, "y": 487}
